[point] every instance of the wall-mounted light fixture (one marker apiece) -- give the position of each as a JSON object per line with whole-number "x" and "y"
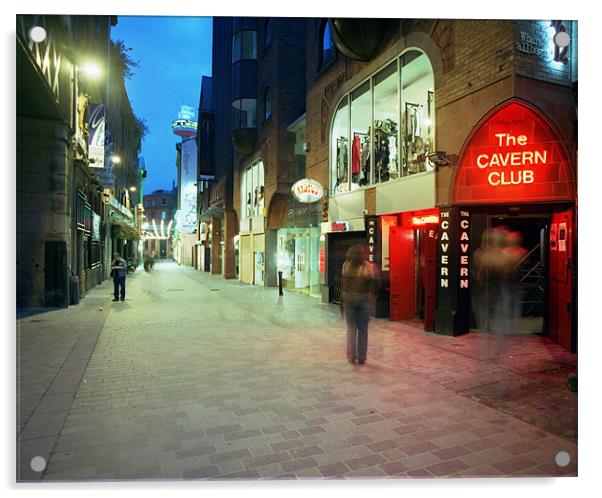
{"x": 439, "y": 158}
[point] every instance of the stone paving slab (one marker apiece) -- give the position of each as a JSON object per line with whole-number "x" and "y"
{"x": 187, "y": 382}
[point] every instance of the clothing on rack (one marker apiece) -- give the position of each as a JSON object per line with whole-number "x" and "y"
{"x": 355, "y": 155}
{"x": 341, "y": 159}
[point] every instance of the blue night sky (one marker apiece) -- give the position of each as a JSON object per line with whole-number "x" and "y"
{"x": 173, "y": 53}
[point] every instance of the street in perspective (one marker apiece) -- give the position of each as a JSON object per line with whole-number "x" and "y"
{"x": 331, "y": 248}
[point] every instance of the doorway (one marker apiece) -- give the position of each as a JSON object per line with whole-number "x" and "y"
{"x": 510, "y": 274}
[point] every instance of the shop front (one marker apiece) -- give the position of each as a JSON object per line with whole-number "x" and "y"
{"x": 383, "y": 185}
{"x": 506, "y": 248}
{"x": 251, "y": 251}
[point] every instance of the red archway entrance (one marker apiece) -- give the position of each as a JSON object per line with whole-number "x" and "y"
{"x": 514, "y": 176}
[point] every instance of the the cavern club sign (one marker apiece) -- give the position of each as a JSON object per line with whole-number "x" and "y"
{"x": 307, "y": 190}
{"x": 514, "y": 155}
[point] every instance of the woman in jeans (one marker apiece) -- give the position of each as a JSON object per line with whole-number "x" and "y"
{"x": 358, "y": 287}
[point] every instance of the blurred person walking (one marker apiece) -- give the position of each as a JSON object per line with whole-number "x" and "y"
{"x": 359, "y": 287}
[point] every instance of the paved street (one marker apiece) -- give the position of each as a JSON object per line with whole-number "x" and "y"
{"x": 196, "y": 377}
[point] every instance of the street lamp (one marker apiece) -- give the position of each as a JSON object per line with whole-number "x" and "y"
{"x": 115, "y": 159}
{"x": 133, "y": 188}
{"x": 37, "y": 34}
{"x": 90, "y": 69}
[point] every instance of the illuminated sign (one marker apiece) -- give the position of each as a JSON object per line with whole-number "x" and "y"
{"x": 371, "y": 236}
{"x": 184, "y": 124}
{"x": 513, "y": 156}
{"x": 419, "y": 221}
{"x": 444, "y": 250}
{"x": 307, "y": 190}
{"x": 464, "y": 248}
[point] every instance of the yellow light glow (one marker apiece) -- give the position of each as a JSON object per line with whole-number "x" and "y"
{"x": 91, "y": 69}
{"x": 115, "y": 159}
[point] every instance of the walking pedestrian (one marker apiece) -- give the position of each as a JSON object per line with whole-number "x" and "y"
{"x": 119, "y": 270}
{"x": 359, "y": 282}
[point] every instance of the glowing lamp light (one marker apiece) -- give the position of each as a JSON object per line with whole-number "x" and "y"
{"x": 91, "y": 69}
{"x": 133, "y": 188}
{"x": 561, "y": 39}
{"x": 428, "y": 122}
{"x": 115, "y": 159}
{"x": 37, "y": 34}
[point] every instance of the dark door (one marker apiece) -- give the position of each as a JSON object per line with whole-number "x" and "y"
{"x": 162, "y": 249}
{"x": 402, "y": 273}
{"x": 560, "y": 297}
{"x": 55, "y": 273}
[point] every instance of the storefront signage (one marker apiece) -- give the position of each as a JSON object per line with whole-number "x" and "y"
{"x": 96, "y": 135}
{"x": 339, "y": 226}
{"x": 534, "y": 45}
{"x": 420, "y": 221}
{"x": 307, "y": 190}
{"x": 371, "y": 237}
{"x": 464, "y": 248}
{"x": 444, "y": 250}
{"x": 514, "y": 156}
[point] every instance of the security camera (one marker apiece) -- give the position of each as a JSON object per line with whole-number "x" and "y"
{"x": 439, "y": 158}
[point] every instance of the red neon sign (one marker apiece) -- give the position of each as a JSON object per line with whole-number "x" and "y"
{"x": 420, "y": 221}
{"x": 514, "y": 156}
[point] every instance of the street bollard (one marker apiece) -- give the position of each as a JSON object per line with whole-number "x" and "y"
{"x": 280, "y": 283}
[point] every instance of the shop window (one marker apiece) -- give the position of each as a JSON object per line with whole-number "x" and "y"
{"x": 327, "y": 51}
{"x": 267, "y": 103}
{"x": 361, "y": 119}
{"x": 386, "y": 124}
{"x": 252, "y": 190}
{"x": 244, "y": 46}
{"x": 418, "y": 108}
{"x": 339, "y": 178}
{"x": 384, "y": 129}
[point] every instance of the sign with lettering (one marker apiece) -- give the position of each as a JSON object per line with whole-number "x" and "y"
{"x": 464, "y": 248}
{"x": 307, "y": 190}
{"x": 444, "y": 231}
{"x": 513, "y": 156}
{"x": 96, "y": 135}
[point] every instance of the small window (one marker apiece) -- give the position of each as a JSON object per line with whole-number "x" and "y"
{"x": 327, "y": 45}
{"x": 163, "y": 214}
{"x": 267, "y": 40}
{"x": 267, "y": 103}
{"x": 163, "y": 201}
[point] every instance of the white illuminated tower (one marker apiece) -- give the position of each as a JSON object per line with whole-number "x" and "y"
{"x": 185, "y": 126}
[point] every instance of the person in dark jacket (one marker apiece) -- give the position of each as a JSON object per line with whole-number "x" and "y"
{"x": 119, "y": 268}
{"x": 359, "y": 287}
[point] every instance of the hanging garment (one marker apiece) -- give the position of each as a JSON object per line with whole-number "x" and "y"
{"x": 355, "y": 155}
{"x": 341, "y": 161}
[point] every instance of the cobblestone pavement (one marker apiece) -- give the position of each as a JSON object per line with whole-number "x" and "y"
{"x": 195, "y": 377}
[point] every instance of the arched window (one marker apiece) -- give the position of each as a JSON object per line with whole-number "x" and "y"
{"x": 267, "y": 103}
{"x": 384, "y": 128}
{"x": 327, "y": 45}
{"x": 267, "y": 37}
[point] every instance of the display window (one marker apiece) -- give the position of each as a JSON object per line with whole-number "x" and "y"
{"x": 383, "y": 129}
{"x": 417, "y": 99}
{"x": 339, "y": 179}
{"x": 252, "y": 190}
{"x": 361, "y": 118}
{"x": 299, "y": 259}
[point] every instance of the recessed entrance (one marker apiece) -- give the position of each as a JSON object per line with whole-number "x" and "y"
{"x": 512, "y": 294}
